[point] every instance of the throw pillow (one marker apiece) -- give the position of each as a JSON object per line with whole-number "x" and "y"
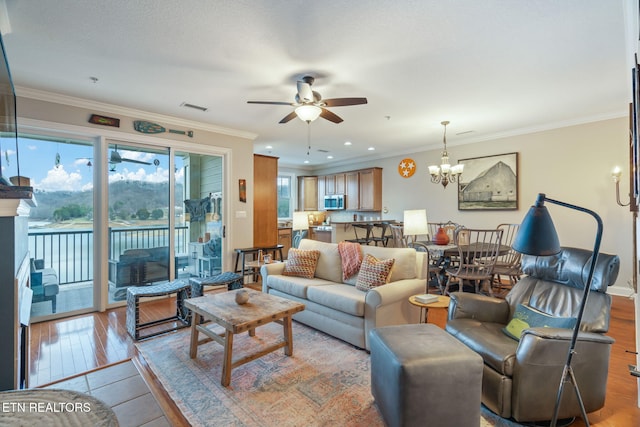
{"x": 351, "y": 258}
{"x": 373, "y": 272}
{"x": 526, "y": 317}
{"x": 301, "y": 263}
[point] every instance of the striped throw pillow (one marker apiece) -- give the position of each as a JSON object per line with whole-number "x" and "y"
{"x": 373, "y": 272}
{"x": 301, "y": 263}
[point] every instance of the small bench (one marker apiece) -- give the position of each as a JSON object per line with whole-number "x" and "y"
{"x": 228, "y": 279}
{"x": 421, "y": 375}
{"x": 181, "y": 318}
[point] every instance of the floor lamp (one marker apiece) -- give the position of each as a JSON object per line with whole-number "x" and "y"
{"x": 537, "y": 236}
{"x": 415, "y": 224}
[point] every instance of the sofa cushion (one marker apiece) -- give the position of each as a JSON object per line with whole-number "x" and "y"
{"x": 405, "y": 265}
{"x": 329, "y": 264}
{"x": 487, "y": 339}
{"x": 527, "y": 317}
{"x": 296, "y": 286}
{"x": 301, "y": 263}
{"x": 344, "y": 298}
{"x": 373, "y": 272}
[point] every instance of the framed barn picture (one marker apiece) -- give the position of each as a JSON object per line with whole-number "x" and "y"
{"x": 489, "y": 183}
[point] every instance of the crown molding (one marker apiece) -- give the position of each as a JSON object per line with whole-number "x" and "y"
{"x": 56, "y": 98}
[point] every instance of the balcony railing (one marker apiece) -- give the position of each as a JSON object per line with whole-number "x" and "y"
{"x": 70, "y": 252}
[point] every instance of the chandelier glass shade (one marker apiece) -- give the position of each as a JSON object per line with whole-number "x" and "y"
{"x": 445, "y": 173}
{"x": 308, "y": 113}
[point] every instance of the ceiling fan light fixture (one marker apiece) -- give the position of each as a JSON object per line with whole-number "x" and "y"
{"x": 308, "y": 113}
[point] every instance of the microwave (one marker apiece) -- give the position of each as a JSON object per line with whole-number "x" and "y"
{"x": 334, "y": 202}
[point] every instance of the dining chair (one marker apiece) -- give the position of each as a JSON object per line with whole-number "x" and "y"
{"x": 358, "y": 230}
{"x": 509, "y": 264}
{"x": 478, "y": 251}
{"x": 433, "y": 229}
{"x": 383, "y": 237}
{"x": 397, "y": 236}
{"x": 433, "y": 269}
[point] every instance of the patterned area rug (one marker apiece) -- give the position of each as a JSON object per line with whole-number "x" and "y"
{"x": 325, "y": 383}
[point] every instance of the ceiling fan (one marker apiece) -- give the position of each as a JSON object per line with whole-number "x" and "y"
{"x": 310, "y": 105}
{"x": 116, "y": 158}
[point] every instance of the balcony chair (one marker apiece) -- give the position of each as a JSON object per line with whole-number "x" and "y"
{"x": 44, "y": 283}
{"x": 521, "y": 377}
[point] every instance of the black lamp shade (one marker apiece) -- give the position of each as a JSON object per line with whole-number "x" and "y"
{"x": 537, "y": 234}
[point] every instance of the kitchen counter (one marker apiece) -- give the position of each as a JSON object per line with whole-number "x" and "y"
{"x": 341, "y": 230}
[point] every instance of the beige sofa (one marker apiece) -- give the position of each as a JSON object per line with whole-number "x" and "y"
{"x": 341, "y": 310}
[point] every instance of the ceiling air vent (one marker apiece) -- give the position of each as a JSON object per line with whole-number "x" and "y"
{"x": 320, "y": 150}
{"x": 195, "y": 107}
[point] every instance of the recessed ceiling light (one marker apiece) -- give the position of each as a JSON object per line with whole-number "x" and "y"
{"x": 371, "y": 148}
{"x": 347, "y": 143}
{"x": 329, "y": 157}
{"x": 306, "y": 161}
{"x": 268, "y": 147}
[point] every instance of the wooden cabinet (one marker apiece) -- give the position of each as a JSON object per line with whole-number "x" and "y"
{"x": 320, "y": 235}
{"x": 284, "y": 239}
{"x": 352, "y": 191}
{"x": 339, "y": 180}
{"x": 308, "y": 193}
{"x": 265, "y": 200}
{"x": 370, "y": 189}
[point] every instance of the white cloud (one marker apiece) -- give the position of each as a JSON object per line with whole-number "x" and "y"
{"x": 58, "y": 179}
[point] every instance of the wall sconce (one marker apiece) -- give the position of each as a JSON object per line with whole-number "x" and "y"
{"x": 615, "y": 174}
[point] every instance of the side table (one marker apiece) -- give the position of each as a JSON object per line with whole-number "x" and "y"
{"x": 441, "y": 310}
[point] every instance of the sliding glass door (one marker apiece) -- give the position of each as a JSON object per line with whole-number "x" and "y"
{"x": 139, "y": 212}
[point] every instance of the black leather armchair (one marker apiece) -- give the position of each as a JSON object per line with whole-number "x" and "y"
{"x": 521, "y": 378}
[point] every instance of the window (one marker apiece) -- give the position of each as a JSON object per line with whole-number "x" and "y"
{"x": 285, "y": 203}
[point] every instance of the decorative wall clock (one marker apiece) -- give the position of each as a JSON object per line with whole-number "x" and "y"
{"x": 406, "y": 168}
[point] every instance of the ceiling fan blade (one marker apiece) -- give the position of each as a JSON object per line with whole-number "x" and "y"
{"x": 292, "y": 115}
{"x": 343, "y": 102}
{"x": 304, "y": 92}
{"x": 332, "y": 117}
{"x": 140, "y": 162}
{"x": 269, "y": 102}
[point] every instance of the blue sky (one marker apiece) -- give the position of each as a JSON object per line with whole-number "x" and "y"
{"x": 38, "y": 162}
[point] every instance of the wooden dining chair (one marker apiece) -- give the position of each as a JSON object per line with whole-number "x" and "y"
{"x": 478, "y": 251}
{"x": 433, "y": 269}
{"x": 397, "y": 236}
{"x": 508, "y": 264}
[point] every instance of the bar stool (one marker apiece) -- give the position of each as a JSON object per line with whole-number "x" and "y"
{"x": 366, "y": 228}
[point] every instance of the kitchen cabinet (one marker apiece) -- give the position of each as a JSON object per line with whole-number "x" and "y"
{"x": 308, "y": 193}
{"x": 284, "y": 239}
{"x": 339, "y": 180}
{"x": 370, "y": 189}
{"x": 265, "y": 200}
{"x": 320, "y": 235}
{"x": 352, "y": 191}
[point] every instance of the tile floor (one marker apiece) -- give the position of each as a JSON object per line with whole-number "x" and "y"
{"x": 122, "y": 388}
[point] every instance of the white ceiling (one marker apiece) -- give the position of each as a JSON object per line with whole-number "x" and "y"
{"x": 491, "y": 67}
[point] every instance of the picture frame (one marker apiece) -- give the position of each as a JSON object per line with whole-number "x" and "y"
{"x": 489, "y": 183}
{"x": 242, "y": 190}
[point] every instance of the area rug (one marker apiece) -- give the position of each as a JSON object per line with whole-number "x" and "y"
{"x": 325, "y": 383}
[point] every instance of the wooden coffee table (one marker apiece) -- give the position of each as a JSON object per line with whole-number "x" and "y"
{"x": 234, "y": 318}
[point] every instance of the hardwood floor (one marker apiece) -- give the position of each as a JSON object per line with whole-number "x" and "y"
{"x": 68, "y": 347}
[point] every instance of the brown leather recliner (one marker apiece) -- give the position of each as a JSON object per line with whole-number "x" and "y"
{"x": 521, "y": 378}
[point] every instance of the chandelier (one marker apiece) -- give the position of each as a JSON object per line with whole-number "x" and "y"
{"x": 445, "y": 173}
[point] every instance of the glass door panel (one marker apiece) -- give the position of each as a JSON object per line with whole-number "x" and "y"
{"x": 138, "y": 217}
{"x": 199, "y": 213}
{"x": 60, "y": 225}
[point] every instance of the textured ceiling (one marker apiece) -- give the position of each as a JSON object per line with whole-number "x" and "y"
{"x": 491, "y": 67}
